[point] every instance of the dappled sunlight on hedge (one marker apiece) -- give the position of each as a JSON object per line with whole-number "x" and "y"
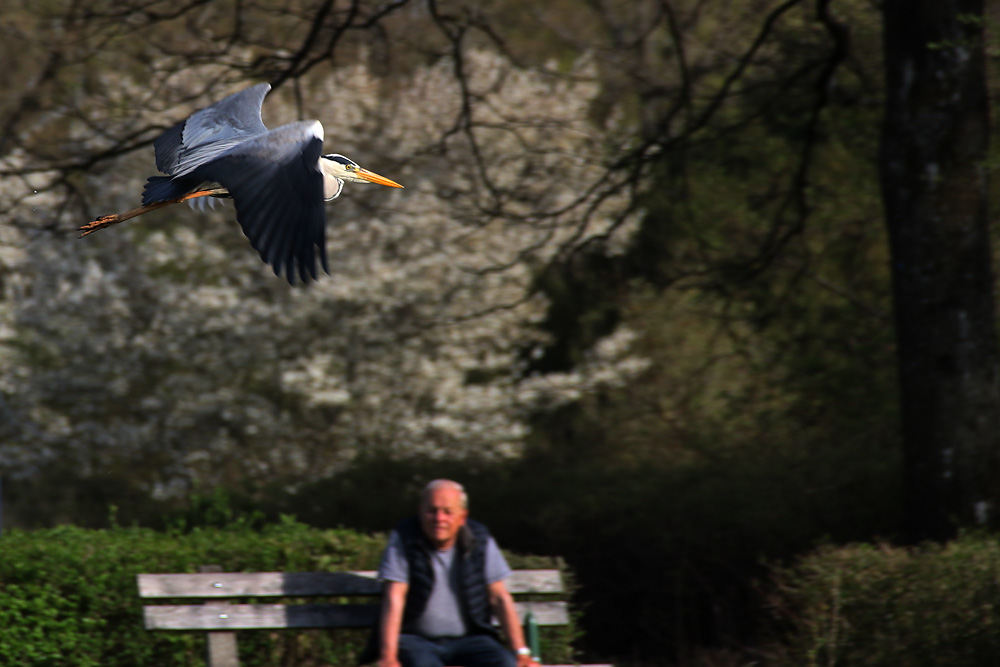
{"x": 875, "y": 605}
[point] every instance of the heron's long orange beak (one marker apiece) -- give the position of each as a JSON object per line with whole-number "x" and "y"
{"x": 372, "y": 177}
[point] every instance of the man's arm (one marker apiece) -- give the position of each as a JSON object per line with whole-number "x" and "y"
{"x": 503, "y": 608}
{"x": 390, "y": 622}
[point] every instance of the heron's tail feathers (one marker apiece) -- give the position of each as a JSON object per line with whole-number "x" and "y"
{"x": 163, "y": 188}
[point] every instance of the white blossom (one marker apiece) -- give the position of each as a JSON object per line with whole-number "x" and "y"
{"x": 165, "y": 340}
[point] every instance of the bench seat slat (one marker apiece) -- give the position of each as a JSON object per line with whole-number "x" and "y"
{"x": 259, "y": 616}
{"x": 277, "y": 616}
{"x": 305, "y": 584}
{"x": 545, "y": 613}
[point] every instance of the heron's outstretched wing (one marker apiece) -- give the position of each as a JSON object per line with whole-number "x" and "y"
{"x": 210, "y": 132}
{"x": 277, "y": 188}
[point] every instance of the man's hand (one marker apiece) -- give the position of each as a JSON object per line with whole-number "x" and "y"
{"x": 524, "y": 661}
{"x": 503, "y": 608}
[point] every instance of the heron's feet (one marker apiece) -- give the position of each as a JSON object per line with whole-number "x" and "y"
{"x": 100, "y": 223}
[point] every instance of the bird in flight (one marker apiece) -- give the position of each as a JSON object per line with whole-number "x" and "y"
{"x": 278, "y": 179}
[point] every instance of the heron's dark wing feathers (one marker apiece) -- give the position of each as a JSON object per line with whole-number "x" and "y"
{"x": 277, "y": 188}
{"x": 164, "y": 188}
{"x": 210, "y": 132}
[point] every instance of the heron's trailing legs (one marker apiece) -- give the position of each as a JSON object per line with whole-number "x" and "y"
{"x": 115, "y": 218}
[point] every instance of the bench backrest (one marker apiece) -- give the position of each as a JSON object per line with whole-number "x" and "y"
{"x": 225, "y": 586}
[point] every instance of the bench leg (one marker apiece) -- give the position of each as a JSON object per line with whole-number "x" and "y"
{"x": 221, "y": 645}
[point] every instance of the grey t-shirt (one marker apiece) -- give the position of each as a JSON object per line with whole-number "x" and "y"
{"x": 443, "y": 615}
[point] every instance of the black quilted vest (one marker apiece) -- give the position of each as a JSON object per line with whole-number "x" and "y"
{"x": 471, "y": 561}
{"x": 471, "y": 555}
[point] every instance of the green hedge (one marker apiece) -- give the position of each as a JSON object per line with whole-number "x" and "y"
{"x": 68, "y": 595}
{"x": 877, "y": 605}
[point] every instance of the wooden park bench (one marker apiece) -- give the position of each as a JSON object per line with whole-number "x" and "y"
{"x": 220, "y": 617}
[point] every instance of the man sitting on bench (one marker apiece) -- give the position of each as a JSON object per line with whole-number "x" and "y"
{"x": 443, "y": 575}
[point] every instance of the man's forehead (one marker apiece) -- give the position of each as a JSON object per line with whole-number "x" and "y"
{"x": 443, "y": 498}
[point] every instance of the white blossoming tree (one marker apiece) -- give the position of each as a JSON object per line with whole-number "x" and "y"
{"x": 164, "y": 351}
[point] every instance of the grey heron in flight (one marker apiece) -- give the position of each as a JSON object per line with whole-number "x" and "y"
{"x": 278, "y": 179}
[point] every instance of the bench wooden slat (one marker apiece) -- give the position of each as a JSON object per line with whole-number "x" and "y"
{"x": 259, "y": 616}
{"x": 257, "y": 584}
{"x": 277, "y": 616}
{"x": 545, "y": 613}
{"x": 305, "y": 584}
{"x": 535, "y": 581}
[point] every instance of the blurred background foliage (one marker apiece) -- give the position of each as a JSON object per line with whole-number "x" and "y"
{"x": 53, "y": 616}
{"x": 746, "y": 261}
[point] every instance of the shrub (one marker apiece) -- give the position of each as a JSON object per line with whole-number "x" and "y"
{"x": 873, "y": 605}
{"x": 68, "y": 595}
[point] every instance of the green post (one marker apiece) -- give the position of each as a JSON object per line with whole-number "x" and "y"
{"x": 531, "y": 636}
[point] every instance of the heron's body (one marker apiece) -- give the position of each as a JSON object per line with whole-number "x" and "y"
{"x": 278, "y": 179}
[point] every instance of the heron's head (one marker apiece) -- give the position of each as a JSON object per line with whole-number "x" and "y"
{"x": 347, "y": 170}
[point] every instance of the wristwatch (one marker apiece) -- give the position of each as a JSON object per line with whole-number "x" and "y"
{"x": 524, "y": 650}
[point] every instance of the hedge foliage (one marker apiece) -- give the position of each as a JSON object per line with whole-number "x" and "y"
{"x": 68, "y": 595}
{"x": 878, "y": 605}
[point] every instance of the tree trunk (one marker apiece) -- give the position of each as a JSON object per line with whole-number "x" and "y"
{"x": 934, "y": 144}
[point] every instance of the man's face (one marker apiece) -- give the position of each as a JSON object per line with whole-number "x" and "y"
{"x": 441, "y": 516}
